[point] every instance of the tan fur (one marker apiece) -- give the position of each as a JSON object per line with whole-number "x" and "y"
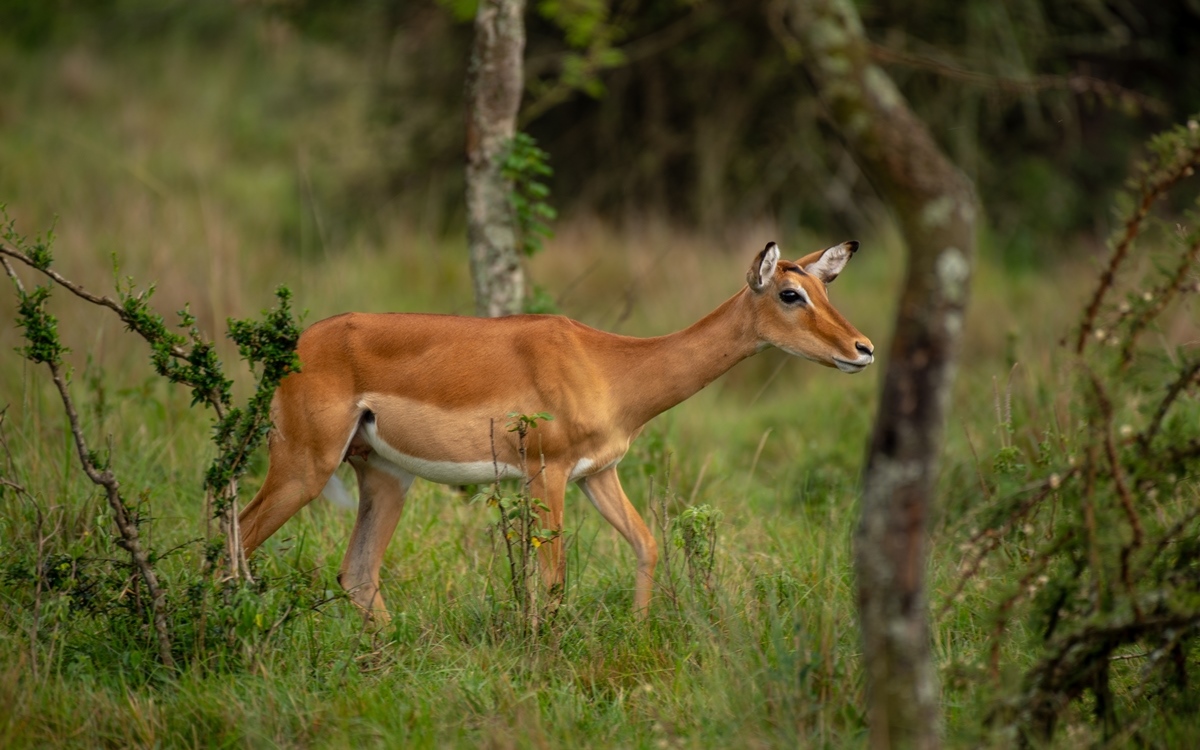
{"x": 441, "y": 389}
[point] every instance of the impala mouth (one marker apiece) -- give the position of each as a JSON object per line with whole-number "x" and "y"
{"x": 853, "y": 366}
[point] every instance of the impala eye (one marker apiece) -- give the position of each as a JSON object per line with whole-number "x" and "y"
{"x": 792, "y": 297}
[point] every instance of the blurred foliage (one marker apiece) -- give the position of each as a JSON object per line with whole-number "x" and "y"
{"x": 525, "y": 166}
{"x": 695, "y": 109}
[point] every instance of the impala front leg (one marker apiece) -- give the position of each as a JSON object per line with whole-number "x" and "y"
{"x": 605, "y": 492}
{"x": 551, "y": 488}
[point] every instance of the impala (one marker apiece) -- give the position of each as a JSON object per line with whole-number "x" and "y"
{"x": 400, "y": 396}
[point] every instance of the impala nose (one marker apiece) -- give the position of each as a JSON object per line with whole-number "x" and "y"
{"x": 862, "y": 348}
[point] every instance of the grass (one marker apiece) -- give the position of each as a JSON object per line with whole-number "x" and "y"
{"x": 219, "y": 190}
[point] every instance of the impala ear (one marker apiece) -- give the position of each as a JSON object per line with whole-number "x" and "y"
{"x": 828, "y": 263}
{"x": 762, "y": 269}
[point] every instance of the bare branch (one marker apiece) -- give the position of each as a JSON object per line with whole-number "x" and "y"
{"x": 177, "y": 352}
{"x": 127, "y": 528}
{"x": 1189, "y": 375}
{"x": 1155, "y": 180}
{"x": 1075, "y": 83}
{"x": 984, "y": 542}
{"x": 1161, "y": 297}
{"x": 80, "y": 292}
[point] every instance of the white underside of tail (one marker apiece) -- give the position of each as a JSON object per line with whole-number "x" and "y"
{"x": 336, "y": 493}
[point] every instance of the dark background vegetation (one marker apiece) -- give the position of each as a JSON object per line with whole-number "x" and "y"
{"x": 699, "y": 112}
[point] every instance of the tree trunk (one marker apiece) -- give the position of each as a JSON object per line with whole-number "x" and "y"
{"x": 935, "y": 206}
{"x": 494, "y": 84}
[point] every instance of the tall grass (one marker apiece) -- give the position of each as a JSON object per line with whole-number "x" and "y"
{"x": 217, "y": 176}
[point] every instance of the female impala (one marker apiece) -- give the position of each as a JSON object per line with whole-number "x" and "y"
{"x": 408, "y": 395}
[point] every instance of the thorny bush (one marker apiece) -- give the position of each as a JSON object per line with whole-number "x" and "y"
{"x": 1098, "y": 503}
{"x": 78, "y": 598}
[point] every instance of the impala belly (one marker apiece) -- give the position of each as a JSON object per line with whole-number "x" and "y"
{"x": 475, "y": 446}
{"x": 443, "y": 472}
{"x": 439, "y": 444}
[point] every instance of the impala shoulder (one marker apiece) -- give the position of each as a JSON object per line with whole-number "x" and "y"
{"x": 340, "y": 324}
{"x": 586, "y": 333}
{"x": 543, "y": 320}
{"x": 320, "y": 334}
{"x": 552, "y": 328}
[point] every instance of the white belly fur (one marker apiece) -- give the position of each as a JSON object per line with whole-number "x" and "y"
{"x": 443, "y": 472}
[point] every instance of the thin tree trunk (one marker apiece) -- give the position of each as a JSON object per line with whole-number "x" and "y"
{"x": 494, "y": 84}
{"x": 935, "y": 206}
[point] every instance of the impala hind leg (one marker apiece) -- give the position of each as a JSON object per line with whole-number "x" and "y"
{"x": 302, "y": 459}
{"x": 605, "y": 492}
{"x": 381, "y": 491}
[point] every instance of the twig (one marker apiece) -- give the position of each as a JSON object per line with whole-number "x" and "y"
{"x": 1154, "y": 185}
{"x": 199, "y": 369}
{"x": 128, "y": 529}
{"x": 1162, "y": 297}
{"x": 984, "y": 542}
{"x": 769, "y": 380}
{"x": 39, "y": 560}
{"x": 662, "y": 519}
{"x": 1036, "y": 566}
{"x": 129, "y": 533}
{"x": 1048, "y": 674}
{"x": 1190, "y": 374}
{"x": 8, "y": 459}
{"x": 699, "y": 479}
{"x": 1169, "y": 536}
{"x": 1075, "y": 83}
{"x": 983, "y": 486}
{"x": 39, "y": 557}
{"x": 504, "y": 520}
{"x": 757, "y": 453}
{"x": 1175, "y": 456}
{"x": 1118, "y": 475}
{"x": 176, "y": 351}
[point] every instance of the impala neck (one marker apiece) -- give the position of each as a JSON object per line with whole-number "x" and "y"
{"x": 661, "y": 372}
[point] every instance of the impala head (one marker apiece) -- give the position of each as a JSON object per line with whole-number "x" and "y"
{"x": 793, "y": 312}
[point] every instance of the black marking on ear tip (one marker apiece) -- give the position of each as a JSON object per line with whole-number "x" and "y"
{"x": 853, "y": 245}
{"x": 770, "y": 245}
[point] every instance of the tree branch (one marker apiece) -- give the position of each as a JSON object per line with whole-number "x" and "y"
{"x": 1075, "y": 83}
{"x": 127, "y": 528}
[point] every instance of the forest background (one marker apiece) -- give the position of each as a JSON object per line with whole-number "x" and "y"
{"x": 219, "y": 149}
